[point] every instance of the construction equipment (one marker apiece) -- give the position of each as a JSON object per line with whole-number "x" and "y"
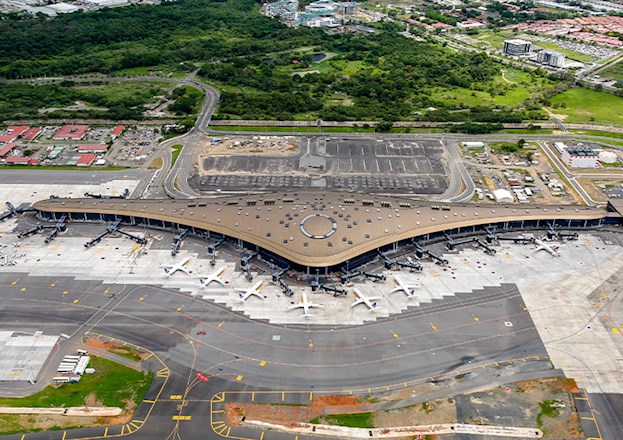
{"x": 124, "y": 195}
{"x": 112, "y": 228}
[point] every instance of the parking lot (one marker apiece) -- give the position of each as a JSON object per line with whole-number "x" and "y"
{"x": 360, "y": 164}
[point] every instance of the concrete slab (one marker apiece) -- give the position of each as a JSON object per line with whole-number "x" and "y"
{"x": 23, "y": 356}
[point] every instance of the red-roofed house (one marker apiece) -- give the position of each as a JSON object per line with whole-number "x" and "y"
{"x": 73, "y": 132}
{"x": 86, "y": 160}
{"x": 6, "y": 149}
{"x": 92, "y": 149}
{"x": 13, "y": 132}
{"x": 31, "y": 133}
{"x": 117, "y": 131}
{"x": 21, "y": 160}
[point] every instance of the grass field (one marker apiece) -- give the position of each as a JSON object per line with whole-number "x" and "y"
{"x": 113, "y": 384}
{"x": 615, "y": 71}
{"x": 177, "y": 149}
{"x": 589, "y": 106}
{"x": 361, "y": 420}
{"x": 510, "y": 88}
{"x": 255, "y": 128}
{"x": 496, "y": 40}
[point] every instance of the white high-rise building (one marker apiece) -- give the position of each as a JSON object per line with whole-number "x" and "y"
{"x": 517, "y": 47}
{"x": 551, "y": 58}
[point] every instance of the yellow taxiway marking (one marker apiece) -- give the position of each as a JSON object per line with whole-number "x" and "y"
{"x": 134, "y": 425}
{"x": 106, "y": 432}
{"x": 23, "y": 289}
{"x": 263, "y": 363}
{"x": 239, "y": 377}
{"x": 14, "y": 283}
{"x": 588, "y": 418}
{"x": 394, "y": 334}
{"x": 253, "y": 397}
{"x": 65, "y": 292}
{"x": 75, "y": 301}
{"x": 53, "y": 285}
{"x": 176, "y": 397}
{"x": 179, "y": 309}
{"x": 262, "y": 436}
{"x": 283, "y": 396}
{"x": 182, "y": 417}
{"x": 433, "y": 326}
{"x": 220, "y": 324}
{"x": 216, "y": 411}
{"x": 122, "y": 429}
{"x": 141, "y": 298}
{"x": 64, "y": 434}
{"x": 23, "y": 436}
{"x": 311, "y": 395}
{"x": 476, "y": 318}
{"x": 615, "y": 330}
{"x": 149, "y": 401}
{"x": 219, "y": 397}
{"x": 228, "y": 431}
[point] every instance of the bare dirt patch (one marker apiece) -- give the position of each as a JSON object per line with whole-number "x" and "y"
{"x": 439, "y": 411}
{"x": 257, "y": 145}
{"x": 115, "y": 348}
{"x": 286, "y": 414}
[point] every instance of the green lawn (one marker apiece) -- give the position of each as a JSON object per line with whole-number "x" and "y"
{"x": 253, "y": 128}
{"x": 569, "y": 53}
{"x": 615, "y": 71}
{"x": 177, "y": 149}
{"x": 113, "y": 384}
{"x": 589, "y": 106}
{"x": 361, "y": 420}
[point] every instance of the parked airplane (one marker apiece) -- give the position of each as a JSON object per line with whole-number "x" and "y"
{"x": 216, "y": 277}
{"x": 542, "y": 246}
{"x": 246, "y": 293}
{"x": 306, "y": 305}
{"x": 367, "y": 300}
{"x": 409, "y": 290}
{"x": 171, "y": 269}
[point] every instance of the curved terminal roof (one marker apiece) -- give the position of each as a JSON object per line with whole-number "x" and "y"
{"x": 318, "y": 229}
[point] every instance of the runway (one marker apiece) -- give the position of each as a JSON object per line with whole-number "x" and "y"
{"x": 466, "y": 331}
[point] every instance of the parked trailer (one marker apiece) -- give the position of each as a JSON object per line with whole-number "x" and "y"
{"x": 82, "y": 365}
{"x": 60, "y": 379}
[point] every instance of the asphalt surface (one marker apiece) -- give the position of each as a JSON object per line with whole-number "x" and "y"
{"x": 240, "y": 354}
{"x": 399, "y": 166}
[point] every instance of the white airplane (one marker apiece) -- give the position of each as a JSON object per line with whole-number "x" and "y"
{"x": 542, "y": 246}
{"x": 367, "y": 300}
{"x": 216, "y": 277}
{"x": 409, "y": 290}
{"x": 246, "y": 293}
{"x": 170, "y": 269}
{"x": 306, "y": 305}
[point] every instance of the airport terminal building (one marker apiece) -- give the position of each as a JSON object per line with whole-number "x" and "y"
{"x": 327, "y": 231}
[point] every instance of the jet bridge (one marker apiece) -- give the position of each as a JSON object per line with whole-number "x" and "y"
{"x": 124, "y": 195}
{"x": 60, "y": 226}
{"x": 421, "y": 252}
{"x": 177, "y": 241}
{"x": 555, "y": 234}
{"x": 112, "y": 228}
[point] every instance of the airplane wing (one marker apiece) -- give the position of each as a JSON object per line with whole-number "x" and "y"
{"x": 296, "y": 306}
{"x": 220, "y": 281}
{"x": 314, "y": 305}
{"x": 359, "y": 301}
